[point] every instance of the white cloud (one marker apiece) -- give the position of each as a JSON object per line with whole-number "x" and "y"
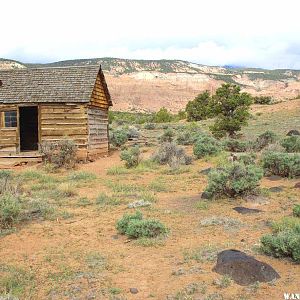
{"x": 217, "y": 32}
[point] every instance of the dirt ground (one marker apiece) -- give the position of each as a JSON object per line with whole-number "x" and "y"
{"x": 83, "y": 257}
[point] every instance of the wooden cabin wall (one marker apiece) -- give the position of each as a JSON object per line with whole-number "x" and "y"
{"x": 97, "y": 132}
{"x": 65, "y": 120}
{"x": 9, "y": 141}
{"x": 99, "y": 98}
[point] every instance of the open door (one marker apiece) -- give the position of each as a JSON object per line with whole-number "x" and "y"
{"x": 28, "y": 126}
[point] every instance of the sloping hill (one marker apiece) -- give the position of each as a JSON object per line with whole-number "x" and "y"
{"x": 147, "y": 85}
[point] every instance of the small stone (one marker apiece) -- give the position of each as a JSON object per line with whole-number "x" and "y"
{"x": 274, "y": 177}
{"x": 115, "y": 237}
{"x": 133, "y": 290}
{"x": 242, "y": 240}
{"x": 205, "y": 171}
{"x": 205, "y": 195}
{"x": 276, "y": 189}
{"x": 245, "y": 210}
{"x": 293, "y": 132}
{"x": 297, "y": 185}
{"x": 139, "y": 203}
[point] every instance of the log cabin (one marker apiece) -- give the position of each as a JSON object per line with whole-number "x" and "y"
{"x": 50, "y": 104}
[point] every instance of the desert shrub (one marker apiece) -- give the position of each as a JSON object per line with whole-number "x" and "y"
{"x": 133, "y": 132}
{"x": 59, "y": 154}
{"x": 131, "y": 156}
{"x": 283, "y": 243}
{"x": 282, "y": 164}
{"x": 9, "y": 184}
{"x": 163, "y": 116}
{"x": 118, "y": 137}
{"x": 123, "y": 223}
{"x": 296, "y": 210}
{"x": 234, "y": 180}
{"x": 235, "y": 145}
{"x": 206, "y": 145}
{"x": 10, "y": 209}
{"x": 262, "y": 100}
{"x": 149, "y": 126}
{"x": 145, "y": 228}
{"x": 171, "y": 154}
{"x": 134, "y": 226}
{"x": 247, "y": 158}
{"x": 264, "y": 140}
{"x": 291, "y": 143}
{"x": 167, "y": 136}
{"x": 189, "y": 134}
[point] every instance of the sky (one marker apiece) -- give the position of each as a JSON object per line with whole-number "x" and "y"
{"x": 252, "y": 33}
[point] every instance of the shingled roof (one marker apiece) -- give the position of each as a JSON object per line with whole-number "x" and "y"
{"x": 57, "y": 85}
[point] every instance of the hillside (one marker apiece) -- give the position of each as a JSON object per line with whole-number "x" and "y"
{"x": 147, "y": 85}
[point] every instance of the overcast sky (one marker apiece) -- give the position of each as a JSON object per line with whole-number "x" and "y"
{"x": 254, "y": 33}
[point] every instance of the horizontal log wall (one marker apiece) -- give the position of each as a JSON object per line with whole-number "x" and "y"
{"x": 98, "y": 132}
{"x": 98, "y": 98}
{"x": 58, "y": 121}
{"x": 9, "y": 141}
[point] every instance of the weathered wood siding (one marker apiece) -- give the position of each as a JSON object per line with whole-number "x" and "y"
{"x": 97, "y": 132}
{"x": 99, "y": 98}
{"x": 9, "y": 137}
{"x": 65, "y": 120}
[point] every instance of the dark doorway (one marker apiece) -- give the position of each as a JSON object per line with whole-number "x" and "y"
{"x": 28, "y": 124}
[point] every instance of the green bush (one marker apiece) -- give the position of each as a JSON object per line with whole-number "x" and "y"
{"x": 149, "y": 126}
{"x": 296, "y": 210}
{"x": 247, "y": 159}
{"x": 167, "y": 136}
{"x": 262, "y": 100}
{"x": 291, "y": 143}
{"x": 145, "y": 228}
{"x": 283, "y": 244}
{"x": 134, "y": 226}
{"x": 10, "y": 209}
{"x": 188, "y": 134}
{"x": 131, "y": 156}
{"x": 199, "y": 108}
{"x": 59, "y": 154}
{"x": 235, "y": 180}
{"x": 235, "y": 145}
{"x": 264, "y": 140}
{"x": 282, "y": 164}
{"x": 206, "y": 145}
{"x": 118, "y": 137}
{"x": 123, "y": 223}
{"x": 163, "y": 116}
{"x": 171, "y": 154}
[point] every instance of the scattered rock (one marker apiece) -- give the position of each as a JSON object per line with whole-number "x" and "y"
{"x": 293, "y": 132}
{"x": 205, "y": 195}
{"x": 244, "y": 269}
{"x": 246, "y": 210}
{"x": 257, "y": 199}
{"x": 139, "y": 203}
{"x": 276, "y": 189}
{"x": 274, "y": 177}
{"x": 205, "y": 171}
{"x": 133, "y": 290}
{"x": 115, "y": 237}
{"x": 297, "y": 185}
{"x": 192, "y": 270}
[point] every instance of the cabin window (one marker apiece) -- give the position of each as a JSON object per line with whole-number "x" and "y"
{"x": 10, "y": 118}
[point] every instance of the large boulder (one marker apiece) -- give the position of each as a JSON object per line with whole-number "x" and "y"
{"x": 244, "y": 269}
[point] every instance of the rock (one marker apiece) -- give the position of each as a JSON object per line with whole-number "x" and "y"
{"x": 276, "y": 189}
{"x": 205, "y": 195}
{"x": 274, "y": 177}
{"x": 139, "y": 203}
{"x": 257, "y": 199}
{"x": 133, "y": 290}
{"x": 293, "y": 132}
{"x": 115, "y": 237}
{"x": 205, "y": 171}
{"x": 297, "y": 185}
{"x": 246, "y": 210}
{"x": 244, "y": 269}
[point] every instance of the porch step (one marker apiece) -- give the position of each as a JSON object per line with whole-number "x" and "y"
{"x": 9, "y": 161}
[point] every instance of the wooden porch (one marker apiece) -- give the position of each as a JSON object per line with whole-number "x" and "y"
{"x": 23, "y": 158}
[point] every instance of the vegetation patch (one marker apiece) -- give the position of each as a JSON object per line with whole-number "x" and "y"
{"x": 291, "y": 143}
{"x": 131, "y": 156}
{"x": 206, "y": 145}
